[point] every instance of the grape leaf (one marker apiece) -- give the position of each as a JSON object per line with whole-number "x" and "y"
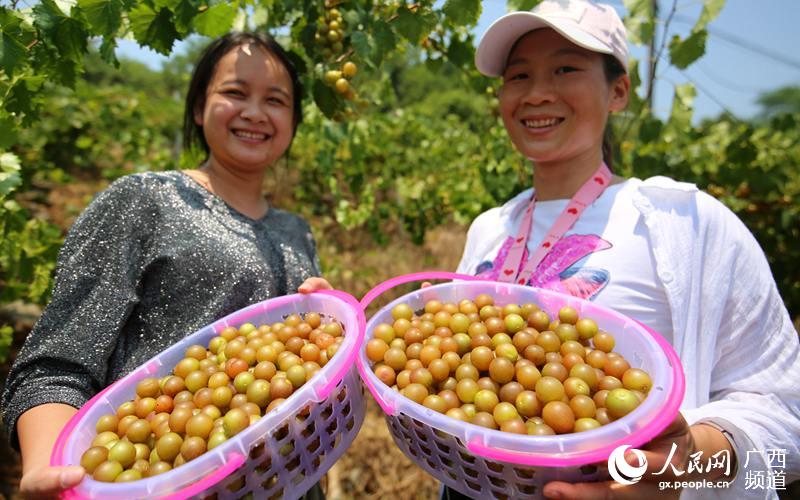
{"x": 414, "y": 26}
{"x": 522, "y": 4}
{"x": 462, "y": 12}
{"x": 361, "y": 44}
{"x": 711, "y": 9}
{"x": 639, "y": 21}
{"x": 104, "y": 16}
{"x": 460, "y": 53}
{"x": 8, "y": 132}
{"x": 108, "y": 51}
{"x": 153, "y": 29}
{"x": 12, "y": 53}
{"x": 681, "y": 115}
{"x": 215, "y": 21}
{"x": 9, "y": 174}
{"x": 385, "y": 40}
{"x": 682, "y": 53}
{"x": 324, "y": 98}
{"x": 67, "y": 34}
{"x": 169, "y": 4}
{"x": 185, "y": 12}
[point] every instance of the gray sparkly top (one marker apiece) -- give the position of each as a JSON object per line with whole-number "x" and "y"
{"x": 152, "y": 259}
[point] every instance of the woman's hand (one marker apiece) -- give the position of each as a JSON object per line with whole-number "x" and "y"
{"x": 657, "y": 452}
{"x": 313, "y": 284}
{"x": 37, "y": 430}
{"x": 48, "y": 482}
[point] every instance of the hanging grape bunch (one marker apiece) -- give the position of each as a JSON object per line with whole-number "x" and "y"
{"x": 330, "y": 36}
{"x": 330, "y": 32}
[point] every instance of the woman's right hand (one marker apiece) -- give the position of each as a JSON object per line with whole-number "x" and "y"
{"x": 48, "y": 482}
{"x": 38, "y": 429}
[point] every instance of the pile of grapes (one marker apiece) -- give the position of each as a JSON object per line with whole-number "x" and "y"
{"x": 510, "y": 368}
{"x": 212, "y": 395}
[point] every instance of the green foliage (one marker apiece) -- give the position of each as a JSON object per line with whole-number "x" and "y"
{"x": 6, "y": 338}
{"x": 9, "y": 174}
{"x": 28, "y": 250}
{"x": 785, "y": 100}
{"x": 751, "y": 168}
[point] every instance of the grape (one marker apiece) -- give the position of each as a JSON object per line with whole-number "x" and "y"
{"x": 107, "y": 423}
{"x": 515, "y": 426}
{"x": 401, "y": 311}
{"x": 501, "y": 370}
{"x": 559, "y": 417}
{"x": 635, "y": 379}
{"x": 549, "y": 389}
{"x": 93, "y": 457}
{"x": 619, "y": 402}
{"x": 586, "y": 424}
{"x": 123, "y": 452}
{"x": 510, "y": 391}
{"x": 582, "y": 406}
{"x": 235, "y": 421}
{"x": 107, "y": 471}
{"x": 504, "y": 412}
{"x": 527, "y": 404}
{"x": 484, "y": 419}
{"x": 458, "y": 414}
{"x": 486, "y": 400}
{"x": 435, "y": 403}
{"x": 169, "y": 446}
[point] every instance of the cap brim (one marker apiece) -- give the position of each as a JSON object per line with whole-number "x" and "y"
{"x": 493, "y": 49}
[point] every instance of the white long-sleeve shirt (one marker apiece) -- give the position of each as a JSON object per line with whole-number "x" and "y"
{"x": 729, "y": 326}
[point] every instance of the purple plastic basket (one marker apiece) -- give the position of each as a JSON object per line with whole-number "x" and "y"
{"x": 484, "y": 463}
{"x": 281, "y": 455}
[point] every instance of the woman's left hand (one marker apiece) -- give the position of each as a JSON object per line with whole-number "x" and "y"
{"x": 313, "y": 284}
{"x": 657, "y": 452}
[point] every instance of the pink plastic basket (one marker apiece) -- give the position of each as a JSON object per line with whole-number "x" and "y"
{"x": 318, "y": 422}
{"x": 483, "y": 463}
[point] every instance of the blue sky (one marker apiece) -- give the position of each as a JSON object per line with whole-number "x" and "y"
{"x": 751, "y": 49}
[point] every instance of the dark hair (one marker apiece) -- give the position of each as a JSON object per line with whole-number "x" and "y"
{"x": 204, "y": 71}
{"x": 613, "y": 69}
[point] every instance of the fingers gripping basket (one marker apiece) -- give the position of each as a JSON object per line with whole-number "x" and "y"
{"x": 483, "y": 463}
{"x": 281, "y": 455}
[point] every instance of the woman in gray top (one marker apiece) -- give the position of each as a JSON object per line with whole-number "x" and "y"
{"x": 158, "y": 255}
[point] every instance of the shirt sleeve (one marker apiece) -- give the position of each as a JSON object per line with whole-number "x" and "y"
{"x": 754, "y": 391}
{"x": 65, "y": 357}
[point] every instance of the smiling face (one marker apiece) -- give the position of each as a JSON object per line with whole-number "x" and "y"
{"x": 556, "y": 99}
{"x": 248, "y": 117}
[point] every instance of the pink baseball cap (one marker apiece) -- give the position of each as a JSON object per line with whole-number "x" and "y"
{"x": 590, "y": 25}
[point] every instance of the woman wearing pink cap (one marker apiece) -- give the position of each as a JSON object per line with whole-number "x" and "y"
{"x": 657, "y": 250}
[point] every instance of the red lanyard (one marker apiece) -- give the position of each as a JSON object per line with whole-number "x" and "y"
{"x": 586, "y": 195}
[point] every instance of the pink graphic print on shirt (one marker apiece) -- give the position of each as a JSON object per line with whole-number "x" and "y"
{"x": 557, "y": 271}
